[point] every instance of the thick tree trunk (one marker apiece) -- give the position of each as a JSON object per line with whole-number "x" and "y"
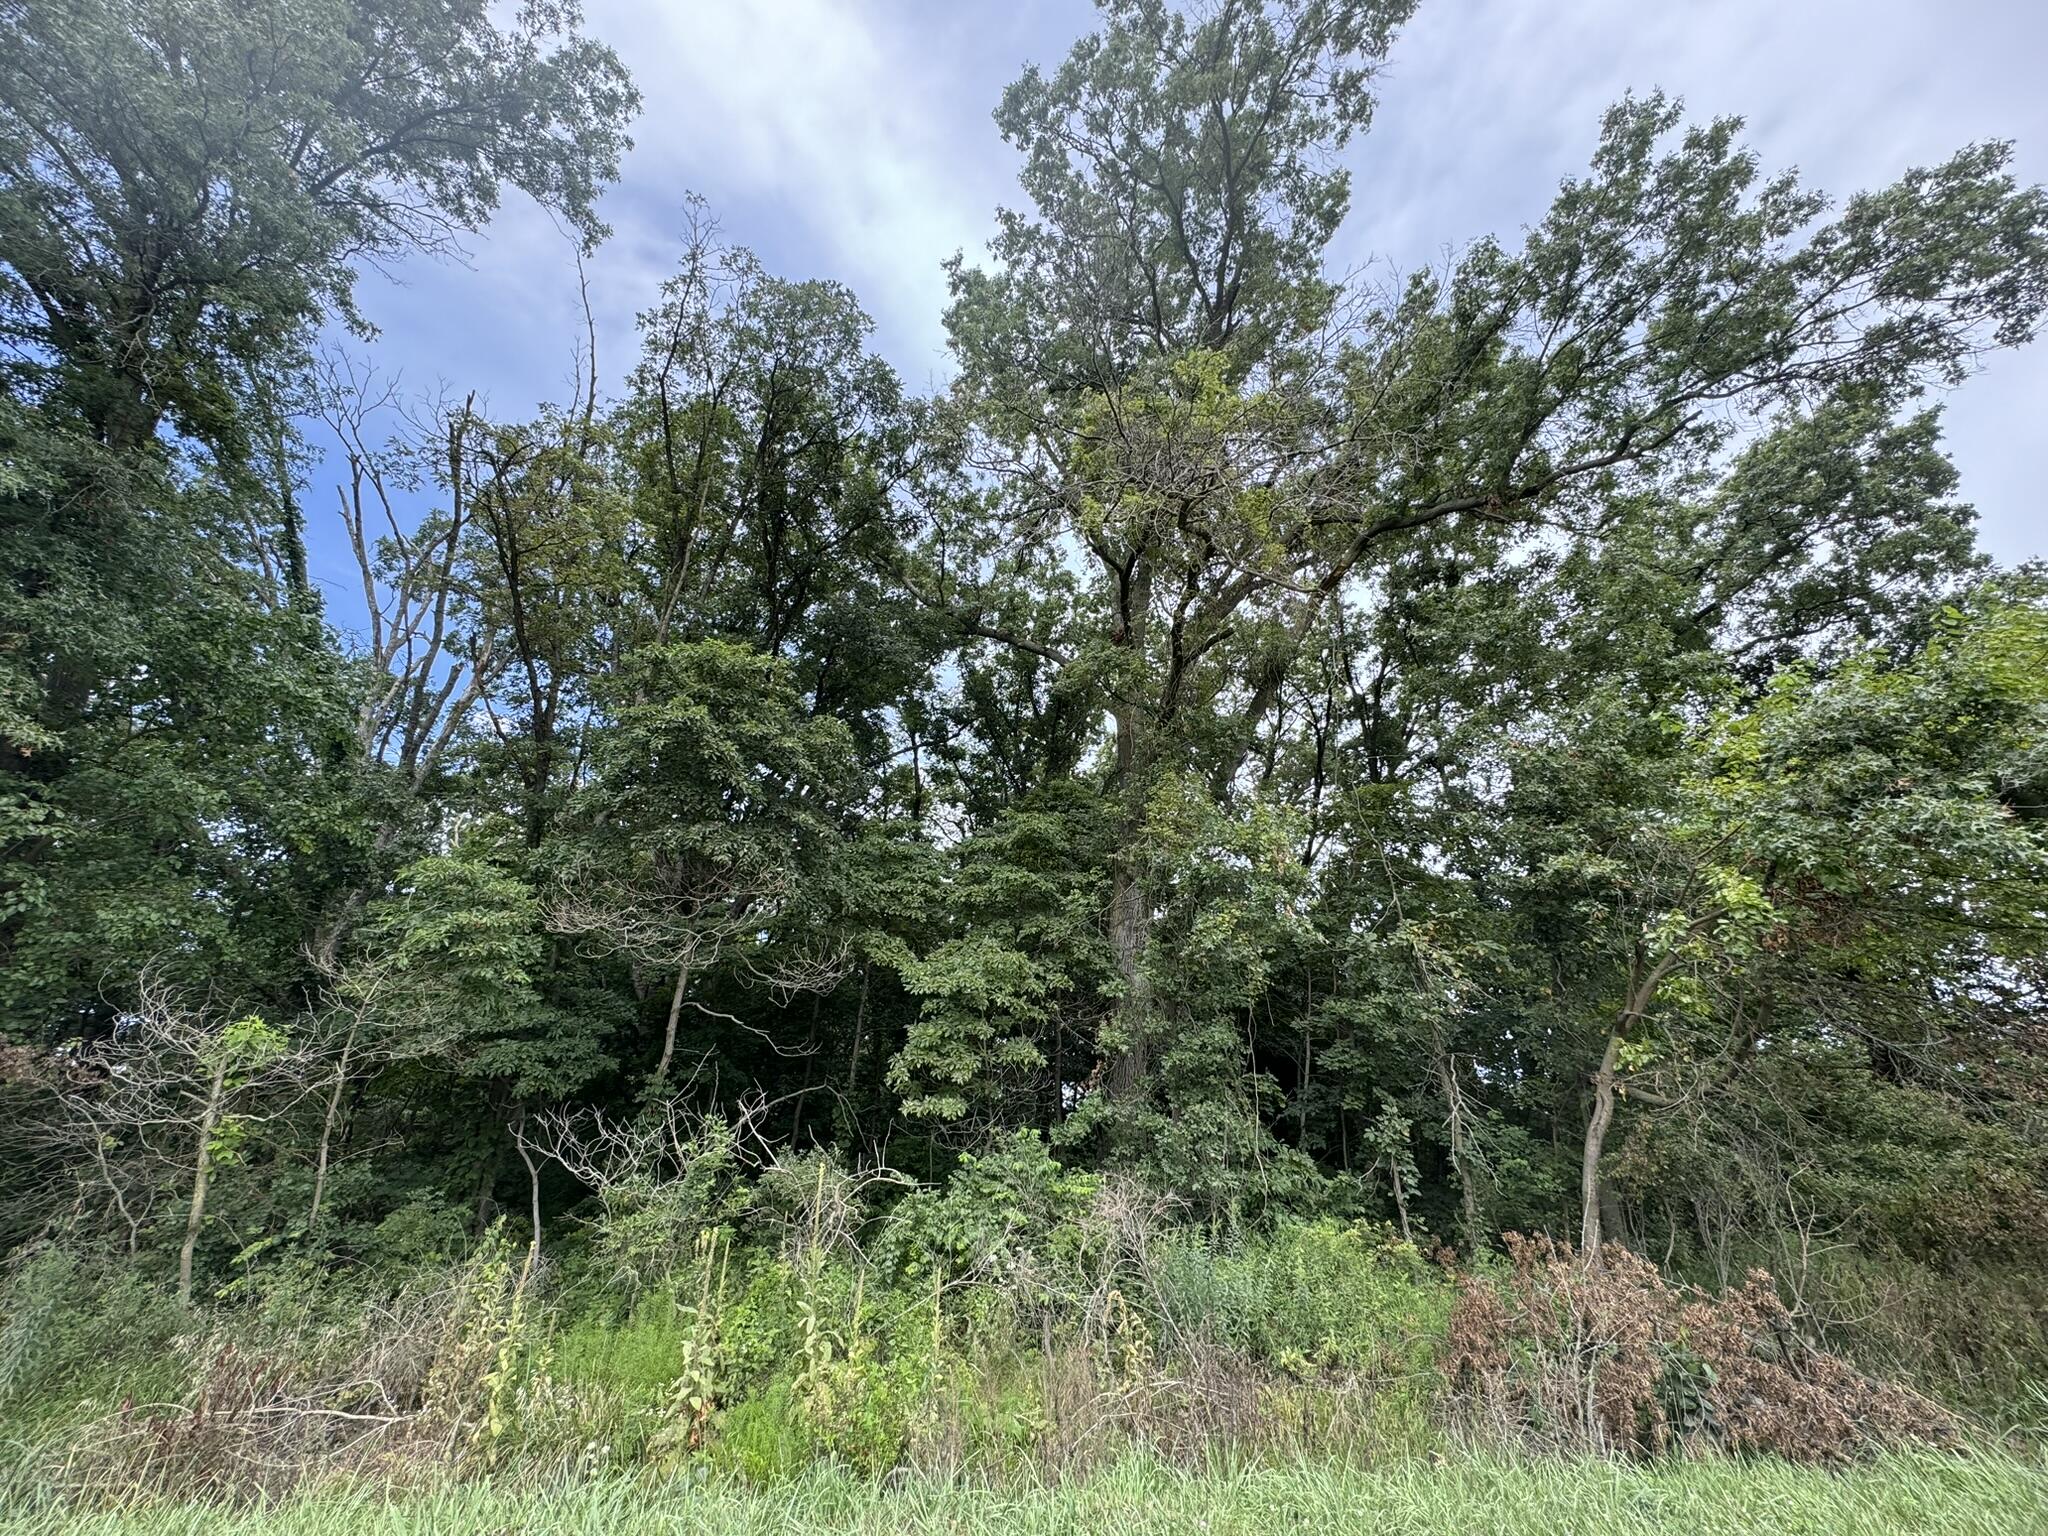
{"x": 1130, "y": 922}
{"x": 202, "y": 1175}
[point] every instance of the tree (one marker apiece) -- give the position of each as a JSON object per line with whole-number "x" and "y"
{"x": 1845, "y": 829}
{"x": 176, "y": 1092}
{"x": 189, "y": 185}
{"x": 1163, "y": 384}
{"x": 186, "y": 191}
{"x": 1528, "y": 745}
{"x": 712, "y": 789}
{"x": 764, "y": 446}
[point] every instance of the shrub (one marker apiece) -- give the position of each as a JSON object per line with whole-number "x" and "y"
{"x": 1567, "y": 1356}
{"x": 1313, "y": 1296}
{"x": 72, "y": 1330}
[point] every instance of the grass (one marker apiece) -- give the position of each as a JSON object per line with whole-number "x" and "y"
{"x": 1989, "y": 1494}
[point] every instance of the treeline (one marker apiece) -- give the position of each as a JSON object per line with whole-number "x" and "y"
{"x": 1528, "y": 747}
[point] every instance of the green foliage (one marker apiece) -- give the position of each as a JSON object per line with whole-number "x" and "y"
{"x": 1315, "y": 1296}
{"x": 1011, "y": 1213}
{"x": 464, "y": 940}
{"x": 963, "y": 921}
{"x": 980, "y": 1005}
{"x": 185, "y": 193}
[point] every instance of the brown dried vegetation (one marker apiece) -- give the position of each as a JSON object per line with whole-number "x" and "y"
{"x": 1565, "y": 1356}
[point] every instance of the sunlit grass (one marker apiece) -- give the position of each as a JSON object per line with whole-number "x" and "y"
{"x": 1981, "y": 1495}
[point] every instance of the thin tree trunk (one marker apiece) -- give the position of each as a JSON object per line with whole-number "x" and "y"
{"x": 1596, "y": 1141}
{"x": 1307, "y": 1068}
{"x": 668, "y": 1036}
{"x": 533, "y": 1199}
{"x": 1642, "y": 993}
{"x": 327, "y": 1129}
{"x": 202, "y": 1174}
{"x": 1454, "y": 1102}
{"x": 803, "y": 1094}
{"x": 860, "y": 1020}
{"x": 487, "y": 1187}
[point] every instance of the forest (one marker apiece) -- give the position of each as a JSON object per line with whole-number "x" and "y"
{"x": 1284, "y": 864}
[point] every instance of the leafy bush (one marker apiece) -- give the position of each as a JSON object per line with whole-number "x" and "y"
{"x": 1313, "y": 1296}
{"x": 1012, "y": 1213}
{"x": 72, "y": 1331}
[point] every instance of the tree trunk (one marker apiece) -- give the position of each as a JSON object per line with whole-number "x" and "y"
{"x": 1454, "y": 1104}
{"x": 1128, "y": 925}
{"x": 202, "y": 1174}
{"x": 1596, "y": 1141}
{"x": 327, "y": 1121}
{"x": 668, "y": 1036}
{"x": 487, "y": 1187}
{"x": 860, "y": 1022}
{"x": 1130, "y": 912}
{"x": 533, "y": 1199}
{"x": 1643, "y": 987}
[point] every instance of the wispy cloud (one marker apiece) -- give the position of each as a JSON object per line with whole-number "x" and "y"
{"x": 851, "y": 139}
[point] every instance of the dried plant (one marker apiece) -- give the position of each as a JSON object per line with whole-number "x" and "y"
{"x": 1615, "y": 1358}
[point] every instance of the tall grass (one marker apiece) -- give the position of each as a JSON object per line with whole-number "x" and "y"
{"x": 1981, "y": 1495}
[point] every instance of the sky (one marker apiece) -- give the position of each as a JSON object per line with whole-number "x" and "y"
{"x": 852, "y": 139}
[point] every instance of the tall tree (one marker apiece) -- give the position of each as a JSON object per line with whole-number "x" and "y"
{"x": 1164, "y": 384}
{"x": 186, "y": 190}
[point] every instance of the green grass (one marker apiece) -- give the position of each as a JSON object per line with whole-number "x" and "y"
{"x": 1956, "y": 1496}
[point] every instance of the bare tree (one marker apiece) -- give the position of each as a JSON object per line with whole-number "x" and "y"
{"x": 427, "y": 640}
{"x": 168, "y": 1097}
{"x": 425, "y": 636}
{"x": 680, "y": 920}
{"x": 658, "y": 1144}
{"x": 632, "y": 1161}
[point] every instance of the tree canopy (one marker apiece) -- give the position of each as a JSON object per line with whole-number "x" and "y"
{"x": 1531, "y": 745}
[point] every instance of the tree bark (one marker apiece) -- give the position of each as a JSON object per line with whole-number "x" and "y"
{"x": 1130, "y": 922}
{"x": 1128, "y": 934}
{"x": 1642, "y": 992}
{"x": 533, "y": 1199}
{"x": 487, "y": 1186}
{"x": 202, "y": 1174}
{"x": 1454, "y": 1109}
{"x": 327, "y": 1121}
{"x": 1596, "y": 1141}
{"x": 668, "y": 1036}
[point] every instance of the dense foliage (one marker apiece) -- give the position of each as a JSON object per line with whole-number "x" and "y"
{"x": 1532, "y": 747}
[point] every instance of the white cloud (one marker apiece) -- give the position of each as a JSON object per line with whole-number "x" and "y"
{"x": 851, "y": 139}
{"x": 834, "y": 132}
{"x": 1487, "y": 104}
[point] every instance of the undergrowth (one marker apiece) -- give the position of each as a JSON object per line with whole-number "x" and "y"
{"x": 1026, "y": 1326}
{"x": 1897, "y": 1495}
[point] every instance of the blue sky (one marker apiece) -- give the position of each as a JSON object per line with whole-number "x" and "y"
{"x": 852, "y": 139}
